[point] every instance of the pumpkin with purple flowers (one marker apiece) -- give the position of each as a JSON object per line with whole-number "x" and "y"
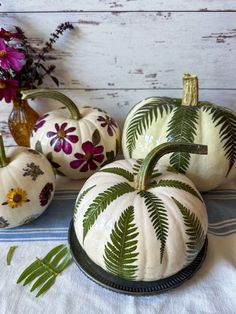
{"x": 78, "y": 144}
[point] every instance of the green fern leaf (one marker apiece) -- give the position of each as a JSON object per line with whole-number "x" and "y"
{"x": 182, "y": 128}
{"x": 144, "y": 117}
{"x": 79, "y": 200}
{"x": 101, "y": 202}
{"x": 136, "y": 168}
{"x": 194, "y": 231}
{"x": 45, "y": 271}
{"x": 179, "y": 185}
{"x": 227, "y": 122}
{"x": 159, "y": 218}
{"x": 120, "y": 254}
{"x": 120, "y": 172}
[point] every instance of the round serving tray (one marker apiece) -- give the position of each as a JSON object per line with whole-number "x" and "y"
{"x": 138, "y": 288}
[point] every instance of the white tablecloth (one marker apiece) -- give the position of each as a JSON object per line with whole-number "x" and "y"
{"x": 211, "y": 290}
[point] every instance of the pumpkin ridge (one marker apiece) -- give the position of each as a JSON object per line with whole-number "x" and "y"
{"x": 120, "y": 253}
{"x": 226, "y": 120}
{"x": 158, "y": 216}
{"x": 193, "y": 229}
{"x": 144, "y": 117}
{"x": 100, "y": 203}
{"x": 182, "y": 127}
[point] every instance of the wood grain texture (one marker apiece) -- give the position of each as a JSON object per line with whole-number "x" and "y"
{"x": 116, "y": 103}
{"x": 137, "y": 50}
{"x": 117, "y": 5}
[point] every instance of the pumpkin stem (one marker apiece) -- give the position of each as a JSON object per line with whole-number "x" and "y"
{"x": 190, "y": 90}
{"x": 3, "y": 158}
{"x": 142, "y": 181}
{"x": 46, "y": 93}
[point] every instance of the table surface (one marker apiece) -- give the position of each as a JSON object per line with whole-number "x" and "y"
{"x": 211, "y": 290}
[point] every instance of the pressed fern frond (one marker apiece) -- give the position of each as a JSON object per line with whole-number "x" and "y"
{"x": 179, "y": 185}
{"x": 80, "y": 198}
{"x": 46, "y": 270}
{"x": 120, "y": 172}
{"x": 182, "y": 128}
{"x": 136, "y": 168}
{"x": 159, "y": 218}
{"x": 101, "y": 202}
{"x": 226, "y": 120}
{"x": 194, "y": 231}
{"x": 144, "y": 117}
{"x": 120, "y": 254}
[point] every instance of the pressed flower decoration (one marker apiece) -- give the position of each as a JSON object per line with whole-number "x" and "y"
{"x": 109, "y": 123}
{"x": 61, "y": 138}
{"x": 46, "y": 194}
{"x": 16, "y": 198}
{"x": 40, "y": 122}
{"x": 92, "y": 157}
{"x": 22, "y": 65}
{"x": 3, "y": 223}
{"x": 32, "y": 170}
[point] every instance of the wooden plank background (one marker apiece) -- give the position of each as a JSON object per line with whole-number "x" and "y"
{"x": 123, "y": 51}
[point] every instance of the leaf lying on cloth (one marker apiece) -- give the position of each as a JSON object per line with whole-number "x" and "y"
{"x": 45, "y": 271}
{"x": 10, "y": 254}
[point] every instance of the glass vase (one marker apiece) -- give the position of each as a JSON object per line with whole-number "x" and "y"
{"x": 21, "y": 121}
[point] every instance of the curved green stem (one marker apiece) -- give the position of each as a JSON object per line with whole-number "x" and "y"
{"x": 3, "y": 158}
{"x": 190, "y": 90}
{"x": 142, "y": 181}
{"x": 46, "y": 93}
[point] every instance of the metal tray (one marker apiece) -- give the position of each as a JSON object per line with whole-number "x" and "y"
{"x": 117, "y": 284}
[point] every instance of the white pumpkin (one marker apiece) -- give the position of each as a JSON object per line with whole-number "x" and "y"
{"x": 139, "y": 222}
{"x": 27, "y": 183}
{"x": 79, "y": 144}
{"x": 157, "y": 120}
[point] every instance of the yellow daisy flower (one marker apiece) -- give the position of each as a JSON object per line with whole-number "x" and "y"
{"x": 16, "y": 198}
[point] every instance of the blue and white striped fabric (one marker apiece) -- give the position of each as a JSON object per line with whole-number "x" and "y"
{"x": 53, "y": 224}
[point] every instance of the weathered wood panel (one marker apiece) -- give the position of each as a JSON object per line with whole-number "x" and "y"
{"x": 138, "y": 50}
{"x": 117, "y": 103}
{"x": 117, "y": 5}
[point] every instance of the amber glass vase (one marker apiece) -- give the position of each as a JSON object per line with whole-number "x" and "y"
{"x": 21, "y": 121}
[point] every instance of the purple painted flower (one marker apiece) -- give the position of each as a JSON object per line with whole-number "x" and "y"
{"x": 40, "y": 122}
{"x": 61, "y": 138}
{"x": 93, "y": 155}
{"x": 45, "y": 194}
{"x": 109, "y": 123}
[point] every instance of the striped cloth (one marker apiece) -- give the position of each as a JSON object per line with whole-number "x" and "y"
{"x": 53, "y": 224}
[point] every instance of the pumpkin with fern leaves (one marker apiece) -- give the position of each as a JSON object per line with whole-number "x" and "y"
{"x": 140, "y": 220}
{"x": 157, "y": 120}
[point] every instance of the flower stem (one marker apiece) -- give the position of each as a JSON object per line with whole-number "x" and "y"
{"x": 3, "y": 158}
{"x": 190, "y": 90}
{"x": 46, "y": 93}
{"x": 142, "y": 181}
